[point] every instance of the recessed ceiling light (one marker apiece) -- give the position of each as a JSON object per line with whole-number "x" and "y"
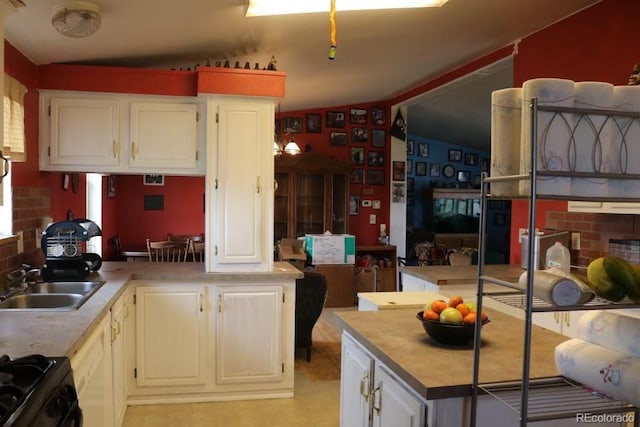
{"x": 285, "y": 7}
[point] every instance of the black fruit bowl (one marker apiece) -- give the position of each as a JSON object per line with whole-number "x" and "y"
{"x": 448, "y": 334}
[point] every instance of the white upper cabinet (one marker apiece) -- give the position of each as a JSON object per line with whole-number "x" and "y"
{"x": 120, "y": 133}
{"x": 164, "y": 134}
{"x": 240, "y": 182}
{"x": 82, "y": 131}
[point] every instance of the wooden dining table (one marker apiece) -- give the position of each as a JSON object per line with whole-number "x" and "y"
{"x": 135, "y": 253}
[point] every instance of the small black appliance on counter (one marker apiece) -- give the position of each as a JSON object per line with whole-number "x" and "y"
{"x": 64, "y": 244}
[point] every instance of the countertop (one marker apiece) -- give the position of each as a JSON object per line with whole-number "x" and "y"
{"x": 437, "y": 371}
{"x": 62, "y": 333}
{"x": 461, "y": 274}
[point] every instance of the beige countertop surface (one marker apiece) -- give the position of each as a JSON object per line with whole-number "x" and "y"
{"x": 461, "y": 274}
{"x": 437, "y": 371}
{"x": 62, "y": 333}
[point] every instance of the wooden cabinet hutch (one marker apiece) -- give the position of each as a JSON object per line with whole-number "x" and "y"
{"x": 311, "y": 196}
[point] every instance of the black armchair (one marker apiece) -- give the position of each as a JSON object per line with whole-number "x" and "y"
{"x": 311, "y": 294}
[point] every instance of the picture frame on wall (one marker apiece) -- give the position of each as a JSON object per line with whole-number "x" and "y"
{"x": 484, "y": 166}
{"x": 464, "y": 176}
{"x": 314, "y": 123}
{"x": 335, "y": 119}
{"x": 377, "y": 116}
{"x": 409, "y": 166}
{"x": 357, "y": 176}
{"x": 359, "y": 135}
{"x": 448, "y": 171}
{"x": 375, "y": 177}
{"x": 421, "y": 169}
{"x": 455, "y": 155}
{"x": 357, "y": 155}
{"x": 410, "y": 147}
{"x": 338, "y": 139}
{"x": 375, "y": 158}
{"x": 354, "y": 205}
{"x": 423, "y": 149}
{"x": 398, "y": 171}
{"x": 111, "y": 186}
{"x": 378, "y": 138}
{"x": 434, "y": 169}
{"x": 292, "y": 124}
{"x": 470, "y": 159}
{"x": 398, "y": 193}
{"x": 358, "y": 116}
{"x": 153, "y": 179}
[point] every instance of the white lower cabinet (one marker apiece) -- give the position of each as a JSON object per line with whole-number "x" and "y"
{"x": 171, "y": 334}
{"x": 92, "y": 376}
{"x": 371, "y": 395}
{"x": 249, "y": 334}
{"x": 122, "y": 330}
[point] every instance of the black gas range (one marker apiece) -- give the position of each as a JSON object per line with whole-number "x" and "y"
{"x": 38, "y": 391}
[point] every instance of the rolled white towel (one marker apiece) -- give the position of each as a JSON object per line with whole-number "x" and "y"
{"x": 609, "y": 372}
{"x": 612, "y": 330}
{"x": 557, "y": 288}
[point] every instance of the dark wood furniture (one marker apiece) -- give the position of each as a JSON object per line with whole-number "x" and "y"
{"x": 385, "y": 260}
{"x": 311, "y": 196}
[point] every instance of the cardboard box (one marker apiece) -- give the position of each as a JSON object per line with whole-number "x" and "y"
{"x": 292, "y": 249}
{"x": 330, "y": 248}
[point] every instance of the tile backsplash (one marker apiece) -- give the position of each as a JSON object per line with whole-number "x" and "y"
{"x": 595, "y": 231}
{"x": 30, "y": 204}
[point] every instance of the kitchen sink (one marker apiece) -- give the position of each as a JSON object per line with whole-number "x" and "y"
{"x": 43, "y": 301}
{"x": 64, "y": 287}
{"x": 52, "y": 296}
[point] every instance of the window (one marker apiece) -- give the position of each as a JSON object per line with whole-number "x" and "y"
{"x": 13, "y": 145}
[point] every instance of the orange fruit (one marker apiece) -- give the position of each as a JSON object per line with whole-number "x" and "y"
{"x": 455, "y": 300}
{"x": 470, "y": 318}
{"x": 431, "y": 315}
{"x": 463, "y": 309}
{"x": 438, "y": 306}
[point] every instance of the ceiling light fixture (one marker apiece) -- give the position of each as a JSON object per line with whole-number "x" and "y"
{"x": 76, "y": 18}
{"x": 285, "y": 7}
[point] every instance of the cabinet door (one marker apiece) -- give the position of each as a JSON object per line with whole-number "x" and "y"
{"x": 393, "y": 405}
{"x": 118, "y": 354}
{"x": 356, "y": 371}
{"x": 551, "y": 320}
{"x": 163, "y": 135}
{"x": 92, "y": 375}
{"x": 310, "y": 203}
{"x": 240, "y": 176}
{"x": 83, "y": 132}
{"x": 249, "y": 334}
{"x": 171, "y": 335}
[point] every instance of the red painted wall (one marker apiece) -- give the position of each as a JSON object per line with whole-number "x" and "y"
{"x": 366, "y": 234}
{"x": 606, "y": 52}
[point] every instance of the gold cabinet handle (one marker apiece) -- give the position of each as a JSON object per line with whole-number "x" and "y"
{"x": 133, "y": 150}
{"x": 373, "y": 398}
{"x": 364, "y": 386}
{"x": 259, "y": 185}
{"x": 556, "y": 316}
{"x": 114, "y": 149}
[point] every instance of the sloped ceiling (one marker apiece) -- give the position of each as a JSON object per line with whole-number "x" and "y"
{"x": 381, "y": 54}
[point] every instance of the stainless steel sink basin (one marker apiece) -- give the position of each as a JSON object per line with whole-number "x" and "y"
{"x": 42, "y": 301}
{"x": 52, "y": 296}
{"x": 64, "y": 287}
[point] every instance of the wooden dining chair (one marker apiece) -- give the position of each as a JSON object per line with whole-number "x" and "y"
{"x": 195, "y": 244}
{"x": 167, "y": 251}
{"x": 197, "y": 249}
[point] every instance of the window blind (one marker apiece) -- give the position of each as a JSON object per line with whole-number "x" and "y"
{"x": 14, "y": 139}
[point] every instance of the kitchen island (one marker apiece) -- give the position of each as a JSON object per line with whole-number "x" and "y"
{"x": 435, "y": 278}
{"x": 420, "y": 380}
